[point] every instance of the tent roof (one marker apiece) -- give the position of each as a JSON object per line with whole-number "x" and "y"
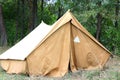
{"x": 68, "y": 17}
{"x": 23, "y": 48}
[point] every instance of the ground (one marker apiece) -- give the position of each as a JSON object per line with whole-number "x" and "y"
{"x": 110, "y": 72}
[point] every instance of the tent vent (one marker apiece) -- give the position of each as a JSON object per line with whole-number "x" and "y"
{"x": 76, "y": 39}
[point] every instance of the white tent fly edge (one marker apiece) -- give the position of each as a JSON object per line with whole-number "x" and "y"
{"x": 24, "y": 47}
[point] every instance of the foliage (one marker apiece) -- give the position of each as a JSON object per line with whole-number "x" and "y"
{"x": 84, "y": 10}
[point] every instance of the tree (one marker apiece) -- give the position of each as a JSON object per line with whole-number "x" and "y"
{"x": 34, "y": 13}
{"x": 17, "y": 20}
{"x": 99, "y": 22}
{"x": 100, "y": 17}
{"x": 33, "y": 16}
{"x": 3, "y": 35}
{"x": 42, "y": 9}
{"x": 60, "y": 9}
{"x": 116, "y": 24}
{"x": 22, "y": 18}
{"x": 117, "y": 7}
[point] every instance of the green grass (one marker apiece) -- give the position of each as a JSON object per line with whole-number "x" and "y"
{"x": 112, "y": 72}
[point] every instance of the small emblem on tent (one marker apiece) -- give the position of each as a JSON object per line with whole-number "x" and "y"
{"x": 76, "y": 39}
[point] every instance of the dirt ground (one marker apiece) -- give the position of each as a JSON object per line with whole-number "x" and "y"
{"x": 110, "y": 72}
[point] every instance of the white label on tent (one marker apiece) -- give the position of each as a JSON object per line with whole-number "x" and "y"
{"x": 76, "y": 39}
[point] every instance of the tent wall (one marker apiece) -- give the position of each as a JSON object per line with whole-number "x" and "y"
{"x": 52, "y": 56}
{"x": 75, "y": 22}
{"x": 14, "y": 66}
{"x": 87, "y": 53}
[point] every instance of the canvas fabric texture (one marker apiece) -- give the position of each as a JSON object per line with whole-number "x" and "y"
{"x": 67, "y": 46}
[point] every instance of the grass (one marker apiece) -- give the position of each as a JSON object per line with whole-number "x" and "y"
{"x": 111, "y": 72}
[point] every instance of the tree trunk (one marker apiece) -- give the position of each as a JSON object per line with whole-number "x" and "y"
{"x": 99, "y": 22}
{"x": 3, "y": 36}
{"x": 59, "y": 9}
{"x": 33, "y": 16}
{"x": 34, "y": 13}
{"x": 117, "y": 13}
{"x": 42, "y": 9}
{"x": 23, "y": 19}
{"x": 17, "y": 20}
{"x": 59, "y": 12}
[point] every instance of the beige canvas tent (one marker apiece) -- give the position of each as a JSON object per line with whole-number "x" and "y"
{"x": 67, "y": 45}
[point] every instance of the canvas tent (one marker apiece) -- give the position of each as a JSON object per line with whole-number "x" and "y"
{"x": 67, "y": 45}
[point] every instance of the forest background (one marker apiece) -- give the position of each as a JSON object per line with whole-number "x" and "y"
{"x": 100, "y": 17}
